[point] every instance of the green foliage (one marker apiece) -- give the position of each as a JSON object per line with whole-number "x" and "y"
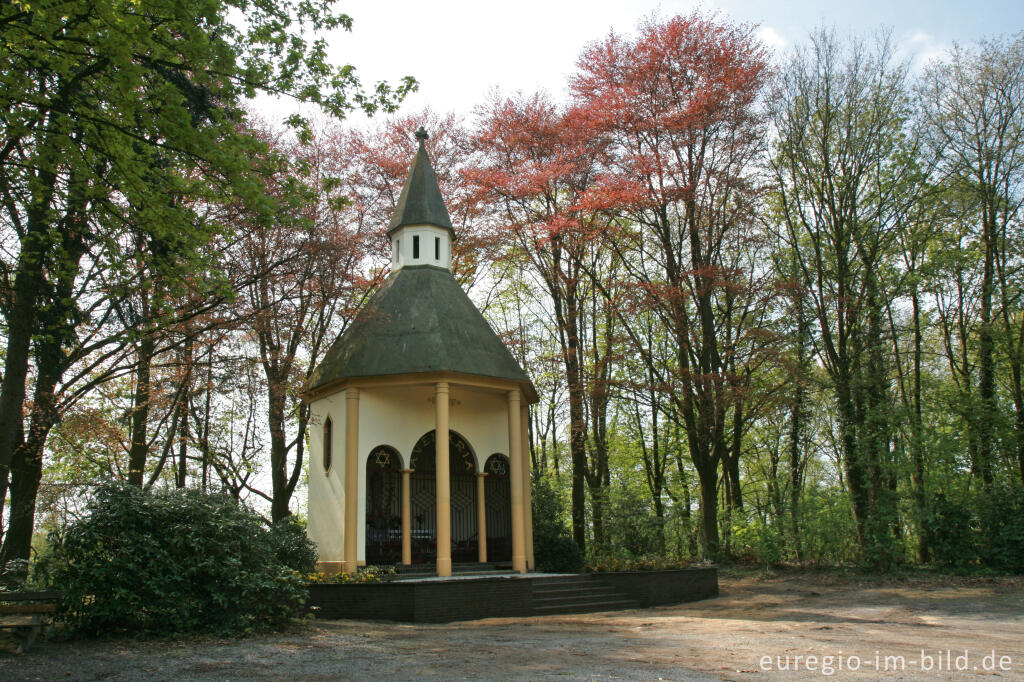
{"x": 291, "y": 546}
{"x": 175, "y": 562}
{"x": 553, "y": 547}
{"x": 829, "y": 535}
{"x": 949, "y": 531}
{"x": 763, "y": 541}
{"x": 631, "y": 526}
{"x": 1001, "y": 521}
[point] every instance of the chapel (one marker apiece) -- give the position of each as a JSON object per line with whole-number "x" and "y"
{"x": 418, "y": 433}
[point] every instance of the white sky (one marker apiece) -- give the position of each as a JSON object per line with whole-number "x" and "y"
{"x": 459, "y": 49}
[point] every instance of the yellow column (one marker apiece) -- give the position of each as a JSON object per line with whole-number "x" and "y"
{"x": 351, "y": 478}
{"x": 406, "y": 518}
{"x": 442, "y": 466}
{"x": 527, "y": 493}
{"x": 481, "y": 519}
{"x": 515, "y": 474}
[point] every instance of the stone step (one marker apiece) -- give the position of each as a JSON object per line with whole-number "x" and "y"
{"x": 577, "y": 594}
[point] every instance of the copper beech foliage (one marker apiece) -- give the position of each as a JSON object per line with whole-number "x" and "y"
{"x": 652, "y": 158}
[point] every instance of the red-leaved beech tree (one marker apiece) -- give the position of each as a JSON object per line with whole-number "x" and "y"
{"x": 535, "y": 161}
{"x": 677, "y": 111}
{"x": 378, "y": 166}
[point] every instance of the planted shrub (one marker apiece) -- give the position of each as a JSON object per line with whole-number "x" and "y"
{"x": 553, "y": 546}
{"x": 176, "y": 561}
{"x": 291, "y": 546}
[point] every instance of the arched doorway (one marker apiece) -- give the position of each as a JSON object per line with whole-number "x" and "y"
{"x": 422, "y": 491}
{"x": 498, "y": 500}
{"x": 383, "y": 506}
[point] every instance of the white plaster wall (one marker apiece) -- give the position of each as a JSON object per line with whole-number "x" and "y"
{"x": 482, "y": 419}
{"x": 401, "y": 246}
{"x": 327, "y": 489}
{"x": 398, "y": 417}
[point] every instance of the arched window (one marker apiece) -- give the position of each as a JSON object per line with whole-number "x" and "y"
{"x": 328, "y": 444}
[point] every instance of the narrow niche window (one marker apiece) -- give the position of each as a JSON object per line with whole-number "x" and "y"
{"x": 328, "y": 444}
{"x": 416, "y": 247}
{"x": 437, "y": 248}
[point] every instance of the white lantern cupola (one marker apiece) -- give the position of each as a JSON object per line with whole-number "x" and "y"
{"x": 421, "y": 231}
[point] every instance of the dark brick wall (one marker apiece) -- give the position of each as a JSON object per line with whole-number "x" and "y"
{"x": 469, "y": 599}
{"x": 657, "y": 588}
{"x": 425, "y": 602}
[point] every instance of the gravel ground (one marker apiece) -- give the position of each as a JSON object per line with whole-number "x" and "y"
{"x": 805, "y": 615}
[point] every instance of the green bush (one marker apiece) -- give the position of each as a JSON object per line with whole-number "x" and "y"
{"x": 948, "y": 529}
{"x": 291, "y": 546}
{"x": 553, "y": 548}
{"x": 175, "y": 562}
{"x": 1001, "y": 520}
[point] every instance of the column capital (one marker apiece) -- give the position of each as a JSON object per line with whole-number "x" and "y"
{"x": 352, "y": 393}
{"x": 441, "y": 386}
{"x": 481, "y": 474}
{"x": 513, "y": 395}
{"x": 406, "y": 471}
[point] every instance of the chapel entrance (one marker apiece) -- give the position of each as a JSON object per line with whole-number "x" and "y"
{"x": 383, "y": 506}
{"x": 498, "y": 501}
{"x": 463, "y": 499}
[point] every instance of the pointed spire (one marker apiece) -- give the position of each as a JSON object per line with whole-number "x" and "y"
{"x": 421, "y": 202}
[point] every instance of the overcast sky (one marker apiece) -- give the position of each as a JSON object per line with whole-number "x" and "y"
{"x": 459, "y": 49}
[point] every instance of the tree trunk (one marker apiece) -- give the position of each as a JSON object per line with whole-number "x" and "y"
{"x": 140, "y": 412}
{"x": 27, "y": 463}
{"x": 281, "y": 496}
{"x": 917, "y": 435}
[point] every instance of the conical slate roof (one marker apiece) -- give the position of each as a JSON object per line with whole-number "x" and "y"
{"x": 421, "y": 202}
{"x": 420, "y": 320}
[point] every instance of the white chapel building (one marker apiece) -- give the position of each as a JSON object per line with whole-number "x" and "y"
{"x": 418, "y": 439}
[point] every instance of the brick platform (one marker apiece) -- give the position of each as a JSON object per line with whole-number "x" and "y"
{"x": 442, "y": 600}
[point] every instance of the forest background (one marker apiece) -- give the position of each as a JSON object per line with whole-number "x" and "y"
{"x": 773, "y": 305}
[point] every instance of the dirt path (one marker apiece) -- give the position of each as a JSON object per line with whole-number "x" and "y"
{"x": 805, "y": 615}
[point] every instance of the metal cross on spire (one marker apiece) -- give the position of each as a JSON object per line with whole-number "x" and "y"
{"x": 422, "y": 135}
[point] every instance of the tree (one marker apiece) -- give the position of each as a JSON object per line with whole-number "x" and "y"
{"x": 973, "y": 106}
{"x": 845, "y": 176}
{"x": 111, "y": 111}
{"x": 536, "y": 162}
{"x": 678, "y": 107}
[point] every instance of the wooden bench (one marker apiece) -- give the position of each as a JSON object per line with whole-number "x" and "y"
{"x": 23, "y": 613}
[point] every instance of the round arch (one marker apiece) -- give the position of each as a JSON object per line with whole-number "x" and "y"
{"x": 383, "y": 505}
{"x": 498, "y": 503}
{"x": 423, "y": 498}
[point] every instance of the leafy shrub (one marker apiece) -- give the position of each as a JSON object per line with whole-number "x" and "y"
{"x": 647, "y": 562}
{"x": 291, "y": 546}
{"x": 174, "y": 562}
{"x": 553, "y": 548}
{"x": 948, "y": 528}
{"x": 1001, "y": 519}
{"x": 630, "y": 523}
{"x": 756, "y": 539}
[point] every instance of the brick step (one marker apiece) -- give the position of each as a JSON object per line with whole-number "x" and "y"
{"x": 577, "y": 594}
